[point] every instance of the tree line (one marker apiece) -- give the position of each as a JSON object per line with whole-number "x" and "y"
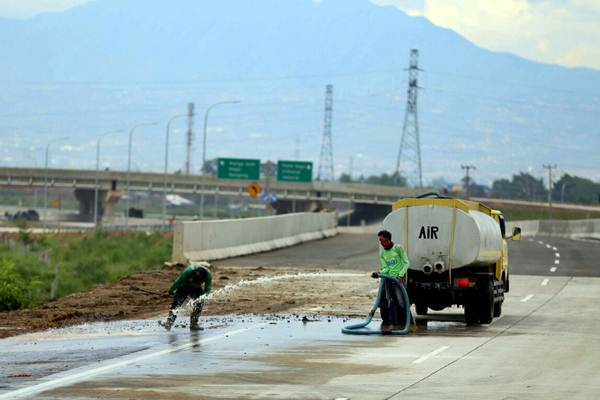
{"x": 522, "y": 186}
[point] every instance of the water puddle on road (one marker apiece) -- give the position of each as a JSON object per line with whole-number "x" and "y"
{"x": 229, "y": 348}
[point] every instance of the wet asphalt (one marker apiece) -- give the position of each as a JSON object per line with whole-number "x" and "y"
{"x": 243, "y": 357}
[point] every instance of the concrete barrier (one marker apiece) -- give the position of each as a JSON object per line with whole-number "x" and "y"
{"x": 214, "y": 240}
{"x": 575, "y": 229}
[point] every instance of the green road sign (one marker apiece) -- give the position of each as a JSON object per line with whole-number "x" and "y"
{"x": 238, "y": 168}
{"x": 294, "y": 171}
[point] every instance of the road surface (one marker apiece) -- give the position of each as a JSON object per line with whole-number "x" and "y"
{"x": 543, "y": 347}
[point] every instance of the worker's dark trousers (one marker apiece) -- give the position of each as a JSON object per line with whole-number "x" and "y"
{"x": 391, "y": 305}
{"x": 181, "y": 295}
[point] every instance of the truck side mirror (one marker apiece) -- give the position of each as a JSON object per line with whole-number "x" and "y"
{"x": 516, "y": 234}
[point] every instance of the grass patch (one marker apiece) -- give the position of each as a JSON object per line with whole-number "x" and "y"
{"x": 35, "y": 269}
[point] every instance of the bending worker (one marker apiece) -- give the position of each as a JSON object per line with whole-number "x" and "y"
{"x": 394, "y": 262}
{"x": 193, "y": 282}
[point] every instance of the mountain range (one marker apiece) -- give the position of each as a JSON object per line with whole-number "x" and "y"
{"x": 111, "y": 64}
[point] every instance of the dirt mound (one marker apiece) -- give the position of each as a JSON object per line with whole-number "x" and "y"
{"x": 144, "y": 295}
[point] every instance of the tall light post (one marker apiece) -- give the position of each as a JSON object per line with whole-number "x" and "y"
{"x": 97, "y": 172}
{"x": 204, "y": 146}
{"x": 164, "y": 207}
{"x": 467, "y": 178}
{"x": 562, "y": 191}
{"x": 129, "y": 166}
{"x": 45, "y": 225}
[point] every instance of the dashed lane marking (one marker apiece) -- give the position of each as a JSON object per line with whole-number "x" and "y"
{"x": 527, "y": 298}
{"x": 556, "y": 262}
{"x": 429, "y": 355}
{"x": 548, "y": 246}
{"x": 553, "y": 269}
{"x": 81, "y": 376}
{"x": 545, "y": 282}
{"x": 557, "y": 255}
{"x": 554, "y": 248}
{"x": 540, "y": 242}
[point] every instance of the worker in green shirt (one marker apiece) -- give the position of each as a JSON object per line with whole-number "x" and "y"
{"x": 194, "y": 281}
{"x": 394, "y": 262}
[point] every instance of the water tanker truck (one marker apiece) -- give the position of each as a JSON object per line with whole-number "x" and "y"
{"x": 458, "y": 254}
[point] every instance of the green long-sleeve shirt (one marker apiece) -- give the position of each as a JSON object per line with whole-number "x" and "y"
{"x": 394, "y": 261}
{"x": 187, "y": 278}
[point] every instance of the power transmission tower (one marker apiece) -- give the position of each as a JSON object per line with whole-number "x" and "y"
{"x": 190, "y": 138}
{"x": 409, "y": 155}
{"x": 550, "y": 167}
{"x": 467, "y": 178}
{"x": 326, "y": 160}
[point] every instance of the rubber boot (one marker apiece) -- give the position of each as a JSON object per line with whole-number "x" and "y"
{"x": 168, "y": 323}
{"x": 195, "y": 316}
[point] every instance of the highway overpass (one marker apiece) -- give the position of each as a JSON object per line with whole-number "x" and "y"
{"x": 364, "y": 199}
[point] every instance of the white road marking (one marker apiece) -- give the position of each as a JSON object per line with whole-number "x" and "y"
{"x": 545, "y": 282}
{"x": 81, "y": 376}
{"x": 432, "y": 354}
{"x": 554, "y": 248}
{"x": 548, "y": 246}
{"x": 540, "y": 242}
{"x": 556, "y": 262}
{"x": 527, "y": 298}
{"x": 557, "y": 255}
{"x": 553, "y": 269}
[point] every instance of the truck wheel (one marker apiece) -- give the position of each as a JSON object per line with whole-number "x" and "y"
{"x": 498, "y": 309}
{"x": 421, "y": 308}
{"x": 471, "y": 313}
{"x": 486, "y": 305}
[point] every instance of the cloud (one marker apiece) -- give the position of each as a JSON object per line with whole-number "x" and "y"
{"x": 561, "y": 32}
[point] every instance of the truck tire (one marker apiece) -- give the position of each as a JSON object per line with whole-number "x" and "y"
{"x": 486, "y": 302}
{"x": 421, "y": 309}
{"x": 471, "y": 313}
{"x": 498, "y": 309}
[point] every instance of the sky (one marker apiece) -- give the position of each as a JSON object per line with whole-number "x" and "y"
{"x": 560, "y": 32}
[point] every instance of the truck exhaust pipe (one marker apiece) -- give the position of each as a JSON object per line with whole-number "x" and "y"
{"x": 427, "y": 268}
{"x": 439, "y": 267}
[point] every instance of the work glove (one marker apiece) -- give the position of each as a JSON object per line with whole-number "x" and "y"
{"x": 375, "y": 275}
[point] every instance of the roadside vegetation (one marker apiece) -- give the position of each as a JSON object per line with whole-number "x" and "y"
{"x": 36, "y": 269}
{"x": 513, "y": 212}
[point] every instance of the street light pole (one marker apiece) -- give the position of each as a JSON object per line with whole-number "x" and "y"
{"x": 45, "y": 225}
{"x": 129, "y": 166}
{"x": 97, "y": 171}
{"x": 562, "y": 191}
{"x": 204, "y": 146}
{"x": 164, "y": 207}
{"x": 467, "y": 178}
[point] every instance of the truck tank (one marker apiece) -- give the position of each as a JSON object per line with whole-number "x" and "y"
{"x": 438, "y": 237}
{"x": 458, "y": 254}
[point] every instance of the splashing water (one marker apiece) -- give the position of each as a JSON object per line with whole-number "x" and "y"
{"x": 263, "y": 280}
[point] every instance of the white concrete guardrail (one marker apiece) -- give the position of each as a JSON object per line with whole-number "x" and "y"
{"x": 574, "y": 229}
{"x": 214, "y": 240}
